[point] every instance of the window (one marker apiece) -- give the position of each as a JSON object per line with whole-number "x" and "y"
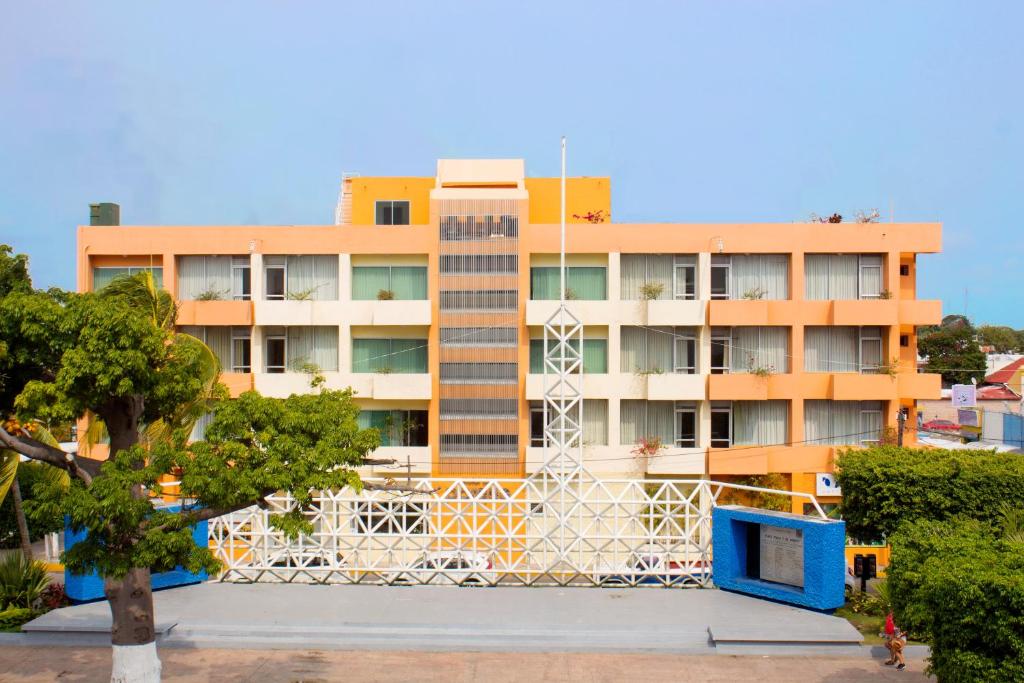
{"x": 479, "y": 300}
{"x": 479, "y": 336}
{"x": 645, "y": 275}
{"x": 759, "y": 348}
{"x": 842, "y": 276}
{"x": 721, "y": 425}
{"x": 479, "y": 373}
{"x": 759, "y": 423}
{"x": 594, "y": 425}
{"x": 218, "y": 338}
{"x": 501, "y": 445}
{"x": 843, "y": 349}
{"x": 595, "y": 355}
{"x": 478, "y": 408}
{"x": 721, "y": 350}
{"x": 274, "y": 270}
{"x": 397, "y": 427}
{"x": 389, "y": 355}
{"x": 479, "y": 228}
{"x": 720, "y": 269}
{"x": 686, "y": 425}
{"x": 294, "y": 349}
{"x": 843, "y": 423}
{"x": 473, "y": 264}
{"x": 391, "y": 517}
{"x": 685, "y": 277}
{"x": 756, "y": 276}
{"x": 301, "y": 278}
{"x": 658, "y": 349}
{"x": 103, "y": 276}
{"x": 276, "y": 349}
{"x": 581, "y": 282}
{"x": 392, "y": 212}
{"x": 402, "y": 283}
{"x": 905, "y": 269}
{"x": 646, "y": 420}
{"x": 241, "y": 349}
{"x": 241, "y": 278}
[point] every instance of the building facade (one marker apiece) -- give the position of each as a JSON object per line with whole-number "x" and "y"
{"x": 733, "y": 349}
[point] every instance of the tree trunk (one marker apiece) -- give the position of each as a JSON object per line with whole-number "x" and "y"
{"x": 19, "y": 514}
{"x": 132, "y": 631}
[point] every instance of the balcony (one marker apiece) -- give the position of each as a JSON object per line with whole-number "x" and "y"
{"x": 594, "y": 386}
{"x": 237, "y": 382}
{"x": 419, "y": 457}
{"x": 851, "y": 386}
{"x": 215, "y": 313}
{"x": 919, "y": 385}
{"x": 749, "y": 387}
{"x": 753, "y": 312}
{"x": 920, "y": 312}
{"x": 673, "y": 312}
{"x": 370, "y": 386}
{"x": 865, "y": 312}
{"x": 672, "y": 386}
{"x": 299, "y": 313}
{"x": 618, "y": 461}
{"x": 809, "y": 458}
{"x": 406, "y": 312}
{"x": 739, "y": 460}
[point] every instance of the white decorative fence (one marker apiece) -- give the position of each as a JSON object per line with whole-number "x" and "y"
{"x": 536, "y": 531}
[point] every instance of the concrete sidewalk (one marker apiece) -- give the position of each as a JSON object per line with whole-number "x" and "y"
{"x": 39, "y": 665}
{"x": 440, "y": 618}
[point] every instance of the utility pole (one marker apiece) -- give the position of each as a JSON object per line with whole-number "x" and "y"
{"x": 901, "y": 421}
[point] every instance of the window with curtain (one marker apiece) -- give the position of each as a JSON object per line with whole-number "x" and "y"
{"x": 241, "y": 278}
{"x": 404, "y": 283}
{"x": 595, "y": 356}
{"x": 685, "y": 277}
{"x": 759, "y": 423}
{"x": 842, "y": 423}
{"x": 397, "y": 427}
{"x": 843, "y": 349}
{"x": 312, "y": 278}
{"x": 391, "y": 212}
{"x": 594, "y": 425}
{"x": 312, "y": 345}
{"x": 588, "y": 283}
{"x": 658, "y": 349}
{"x": 389, "y": 355}
{"x": 205, "y": 278}
{"x": 217, "y": 338}
{"x": 638, "y": 270}
{"x": 721, "y": 350}
{"x": 759, "y": 276}
{"x": 686, "y": 425}
{"x": 103, "y": 276}
{"x": 843, "y": 276}
{"x": 646, "y": 420}
{"x": 241, "y": 349}
{"x": 756, "y": 348}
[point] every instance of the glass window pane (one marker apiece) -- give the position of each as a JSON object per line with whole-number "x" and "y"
{"x": 384, "y": 213}
{"x": 369, "y": 281}
{"x": 544, "y": 284}
{"x": 595, "y": 356}
{"x": 400, "y": 213}
{"x": 275, "y": 283}
{"x": 369, "y": 355}
{"x": 720, "y": 429}
{"x": 719, "y": 282}
{"x": 409, "y": 282}
{"x": 275, "y": 361}
{"x": 407, "y": 356}
{"x": 589, "y": 284}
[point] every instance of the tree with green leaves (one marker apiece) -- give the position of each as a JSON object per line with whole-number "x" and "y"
{"x": 115, "y": 356}
{"x": 952, "y": 351}
{"x": 1002, "y": 339}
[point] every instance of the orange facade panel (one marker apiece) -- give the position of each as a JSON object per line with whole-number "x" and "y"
{"x": 749, "y": 387}
{"x": 865, "y": 312}
{"x": 481, "y": 426}
{"x": 215, "y": 313}
{"x": 480, "y": 390}
{"x": 474, "y": 354}
{"x": 920, "y": 312}
{"x": 476, "y": 282}
{"x": 801, "y": 459}
{"x": 237, "y": 382}
{"x": 850, "y": 386}
{"x": 737, "y": 460}
{"x": 919, "y": 385}
{"x": 737, "y": 312}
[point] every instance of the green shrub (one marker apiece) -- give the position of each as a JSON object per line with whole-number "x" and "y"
{"x": 960, "y": 586}
{"x": 886, "y": 485}
{"x": 11, "y": 619}
{"x": 22, "y": 581}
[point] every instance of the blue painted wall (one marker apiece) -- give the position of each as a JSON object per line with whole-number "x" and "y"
{"x": 824, "y": 561}
{"x": 89, "y": 587}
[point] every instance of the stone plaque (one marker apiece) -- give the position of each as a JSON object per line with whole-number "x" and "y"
{"x": 782, "y": 555}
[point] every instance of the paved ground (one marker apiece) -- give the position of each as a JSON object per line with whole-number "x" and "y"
{"x": 439, "y": 618}
{"x": 24, "y": 665}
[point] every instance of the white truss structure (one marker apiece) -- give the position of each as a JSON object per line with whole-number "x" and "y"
{"x": 624, "y": 532}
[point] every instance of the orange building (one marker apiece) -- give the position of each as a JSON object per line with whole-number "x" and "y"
{"x": 743, "y": 348}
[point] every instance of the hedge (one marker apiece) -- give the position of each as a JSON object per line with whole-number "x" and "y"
{"x": 886, "y": 485}
{"x": 960, "y": 586}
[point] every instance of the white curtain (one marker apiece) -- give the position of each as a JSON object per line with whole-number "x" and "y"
{"x": 764, "y": 276}
{"x": 643, "y": 419}
{"x": 632, "y": 421}
{"x": 661, "y": 421}
{"x": 595, "y": 422}
{"x": 760, "y": 347}
{"x": 830, "y": 349}
{"x": 659, "y": 349}
{"x": 313, "y": 277}
{"x": 760, "y": 423}
{"x": 636, "y": 270}
{"x": 217, "y": 338}
{"x": 841, "y": 423}
{"x": 633, "y": 358}
{"x": 870, "y": 276}
{"x": 199, "y": 430}
{"x": 870, "y": 349}
{"x": 816, "y": 277}
{"x": 317, "y": 345}
{"x": 207, "y": 276}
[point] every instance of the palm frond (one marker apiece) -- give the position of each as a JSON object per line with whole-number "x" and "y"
{"x": 140, "y": 291}
{"x": 8, "y": 470}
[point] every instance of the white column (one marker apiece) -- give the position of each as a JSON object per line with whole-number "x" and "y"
{"x": 614, "y": 434}
{"x": 344, "y": 277}
{"x": 257, "y": 349}
{"x": 256, "y": 276}
{"x": 614, "y": 276}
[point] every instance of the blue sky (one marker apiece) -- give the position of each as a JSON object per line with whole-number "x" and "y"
{"x": 247, "y": 112}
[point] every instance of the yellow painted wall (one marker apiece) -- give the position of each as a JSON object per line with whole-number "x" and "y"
{"x": 366, "y": 191}
{"x": 582, "y": 196}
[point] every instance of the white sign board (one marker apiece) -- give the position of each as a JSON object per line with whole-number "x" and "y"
{"x": 965, "y": 396}
{"x": 782, "y": 555}
{"x": 825, "y": 484}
